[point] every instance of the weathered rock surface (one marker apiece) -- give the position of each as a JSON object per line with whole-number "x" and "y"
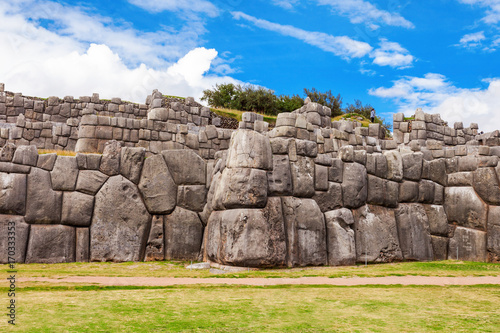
{"x": 440, "y": 247}
{"x": 132, "y": 160}
{"x": 51, "y": 244}
{"x": 340, "y": 237}
{"x": 412, "y": 166}
{"x": 438, "y": 221}
{"x": 64, "y": 174}
{"x": 303, "y": 177}
{"x": 186, "y": 167}
{"x": 394, "y": 165}
{"x": 376, "y": 234}
{"x": 494, "y": 232}
{"x": 77, "y": 209}
{"x": 13, "y": 226}
{"x": 157, "y": 186}
{"x": 120, "y": 223}
{"x": 306, "y": 232}
{"x": 280, "y": 178}
{"x": 82, "y": 252}
{"x": 155, "y": 248}
{"x": 192, "y": 197}
{"x": 468, "y": 244}
{"x": 243, "y": 188}
{"x": 485, "y": 182}
{"x": 250, "y": 149}
{"x": 12, "y": 193}
{"x": 183, "y": 235}
{"x": 43, "y": 205}
{"x": 354, "y": 186}
{"x": 90, "y": 181}
{"x": 110, "y": 161}
{"x": 463, "y": 206}
{"x": 331, "y": 199}
{"x": 413, "y": 230}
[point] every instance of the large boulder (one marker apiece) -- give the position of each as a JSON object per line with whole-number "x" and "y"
{"x": 64, "y": 174}
{"x": 485, "y": 182}
{"x": 43, "y": 205}
{"x": 120, "y": 223}
{"x": 376, "y": 234}
{"x": 82, "y": 246}
{"x": 340, "y": 237}
{"x": 155, "y": 248}
{"x": 331, "y": 199}
{"x": 463, "y": 206}
{"x": 438, "y": 221}
{"x": 77, "y": 209}
{"x": 394, "y": 165}
{"x": 183, "y": 235}
{"x": 303, "y": 177}
{"x": 467, "y": 244}
{"x": 51, "y": 244}
{"x": 247, "y": 237}
{"x": 192, "y": 197}
{"x": 12, "y": 193}
{"x": 494, "y": 233}
{"x": 280, "y": 178}
{"x": 412, "y": 166}
{"x": 90, "y": 181}
{"x": 440, "y": 247}
{"x": 13, "y": 226}
{"x": 243, "y": 188}
{"x": 382, "y": 192}
{"x": 306, "y": 232}
{"x": 250, "y": 149}
{"x": 413, "y": 230}
{"x": 186, "y": 167}
{"x": 132, "y": 160}
{"x": 354, "y": 186}
{"x": 110, "y": 161}
{"x": 157, "y": 186}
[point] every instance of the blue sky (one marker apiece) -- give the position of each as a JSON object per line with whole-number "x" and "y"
{"x": 442, "y": 56}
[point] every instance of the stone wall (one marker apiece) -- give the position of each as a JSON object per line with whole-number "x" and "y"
{"x": 308, "y": 192}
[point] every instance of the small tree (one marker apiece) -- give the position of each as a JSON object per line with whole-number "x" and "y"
{"x": 326, "y": 99}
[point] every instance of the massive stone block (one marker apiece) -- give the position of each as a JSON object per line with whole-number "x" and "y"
{"x": 192, "y": 197}
{"x": 280, "y": 179}
{"x": 90, "y": 181}
{"x": 157, "y": 186}
{"x": 438, "y": 221}
{"x": 376, "y": 234}
{"x": 132, "y": 160}
{"x": 12, "y": 193}
{"x": 306, "y": 232}
{"x": 440, "y": 247}
{"x": 64, "y": 174}
{"x": 494, "y": 233}
{"x": 408, "y": 191}
{"x": 340, "y": 237}
{"x": 77, "y": 209}
{"x": 463, "y": 206}
{"x": 303, "y": 177}
{"x": 155, "y": 248}
{"x": 485, "y": 182}
{"x": 331, "y": 199}
{"x": 51, "y": 244}
{"x": 382, "y": 192}
{"x": 186, "y": 167}
{"x": 183, "y": 235}
{"x": 82, "y": 251}
{"x": 394, "y": 165}
{"x": 467, "y": 244}
{"x": 247, "y": 237}
{"x": 243, "y": 188}
{"x": 354, "y": 186}
{"x": 413, "y": 230}
{"x": 110, "y": 161}
{"x": 250, "y": 149}
{"x": 120, "y": 223}
{"x": 13, "y": 226}
{"x": 412, "y": 166}
{"x": 43, "y": 205}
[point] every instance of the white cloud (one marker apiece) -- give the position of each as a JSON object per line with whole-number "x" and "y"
{"x": 197, "y": 6}
{"x": 472, "y": 40}
{"x": 42, "y": 62}
{"x": 359, "y": 11}
{"x": 435, "y": 94}
{"x": 342, "y": 46}
{"x": 492, "y": 9}
{"x": 391, "y": 54}
{"x": 286, "y": 4}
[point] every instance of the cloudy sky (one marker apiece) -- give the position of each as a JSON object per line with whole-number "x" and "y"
{"x": 442, "y": 55}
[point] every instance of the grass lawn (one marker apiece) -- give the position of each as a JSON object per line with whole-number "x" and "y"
{"x": 237, "y": 114}
{"x": 258, "y": 309}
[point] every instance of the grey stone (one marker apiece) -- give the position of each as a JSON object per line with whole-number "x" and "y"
{"x": 302, "y": 172}
{"x": 438, "y": 221}
{"x": 82, "y": 251}
{"x": 243, "y": 188}
{"x": 394, "y": 165}
{"x": 426, "y": 191}
{"x": 485, "y": 182}
{"x": 132, "y": 160}
{"x": 183, "y": 235}
{"x": 90, "y": 181}
{"x": 468, "y": 244}
{"x": 340, "y": 237}
{"x": 120, "y": 223}
{"x": 155, "y": 247}
{"x": 157, "y": 186}
{"x": 331, "y": 199}
{"x": 250, "y": 149}
{"x": 354, "y": 185}
{"x": 110, "y": 161}
{"x": 439, "y": 247}
{"x": 13, "y": 224}
{"x": 494, "y": 233}
{"x": 437, "y": 171}
{"x": 51, "y": 244}
{"x": 12, "y": 193}
{"x": 464, "y": 207}
{"x": 43, "y": 205}
{"x": 336, "y": 171}
{"x": 376, "y": 235}
{"x": 408, "y": 191}
{"x": 7, "y": 152}
{"x": 413, "y": 230}
{"x": 77, "y": 209}
{"x": 65, "y": 174}
{"x": 381, "y": 166}
{"x": 26, "y": 155}
{"x": 280, "y": 179}
{"x": 46, "y": 161}
{"x": 460, "y": 179}
{"x": 192, "y": 197}
{"x": 247, "y": 237}
{"x": 186, "y": 167}
{"x": 382, "y": 192}
{"x": 306, "y": 232}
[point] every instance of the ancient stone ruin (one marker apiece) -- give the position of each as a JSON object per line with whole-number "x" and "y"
{"x": 169, "y": 179}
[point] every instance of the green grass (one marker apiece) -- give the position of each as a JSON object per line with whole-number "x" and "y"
{"x": 237, "y": 114}
{"x": 259, "y": 309}
{"x": 353, "y": 117}
{"x": 170, "y": 96}
{"x": 177, "y": 269}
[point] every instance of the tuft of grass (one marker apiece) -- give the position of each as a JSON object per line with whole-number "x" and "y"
{"x": 177, "y": 97}
{"x": 237, "y": 114}
{"x": 58, "y": 152}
